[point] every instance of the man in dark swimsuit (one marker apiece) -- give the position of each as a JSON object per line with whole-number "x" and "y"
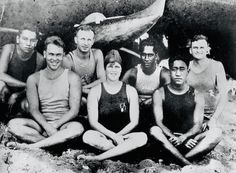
{"x": 17, "y": 62}
{"x": 179, "y": 116}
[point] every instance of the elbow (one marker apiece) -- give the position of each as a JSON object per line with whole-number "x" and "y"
{"x": 134, "y": 123}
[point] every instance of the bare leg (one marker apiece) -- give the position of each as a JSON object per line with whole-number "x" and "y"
{"x": 67, "y": 132}
{"x": 158, "y": 134}
{"x": 211, "y": 139}
{"x": 132, "y": 141}
{"x": 26, "y": 129}
{"x": 98, "y": 140}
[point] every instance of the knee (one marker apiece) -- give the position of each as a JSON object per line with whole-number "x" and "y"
{"x": 141, "y": 139}
{"x": 76, "y": 129}
{"x": 155, "y": 131}
{"x": 15, "y": 124}
{"x": 88, "y": 136}
{"x": 216, "y": 132}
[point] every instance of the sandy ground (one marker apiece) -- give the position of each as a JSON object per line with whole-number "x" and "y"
{"x": 221, "y": 160}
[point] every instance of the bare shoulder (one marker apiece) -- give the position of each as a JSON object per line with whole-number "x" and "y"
{"x": 131, "y": 92}
{"x": 73, "y": 76}
{"x": 199, "y": 97}
{"x": 8, "y": 48}
{"x": 40, "y": 57}
{"x": 98, "y": 55}
{"x": 33, "y": 78}
{"x": 165, "y": 70}
{"x": 131, "y": 72}
{"x": 95, "y": 91}
{"x": 159, "y": 93}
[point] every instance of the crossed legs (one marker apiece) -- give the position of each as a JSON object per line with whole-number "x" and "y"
{"x": 28, "y": 130}
{"x": 207, "y": 141}
{"x": 100, "y": 141}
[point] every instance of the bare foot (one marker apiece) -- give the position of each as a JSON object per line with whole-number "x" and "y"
{"x": 82, "y": 156}
{"x": 16, "y": 145}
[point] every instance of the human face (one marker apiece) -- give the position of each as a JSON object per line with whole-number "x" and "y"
{"x": 27, "y": 40}
{"x": 84, "y": 40}
{"x": 113, "y": 71}
{"x": 199, "y": 49}
{"x": 179, "y": 72}
{"x": 54, "y": 55}
{"x": 148, "y": 56}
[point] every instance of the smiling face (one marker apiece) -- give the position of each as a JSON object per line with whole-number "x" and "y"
{"x": 54, "y": 56}
{"x": 113, "y": 71}
{"x": 84, "y": 40}
{"x": 148, "y": 56}
{"x": 178, "y": 72}
{"x": 199, "y": 49}
{"x": 27, "y": 40}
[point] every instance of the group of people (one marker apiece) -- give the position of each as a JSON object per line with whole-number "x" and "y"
{"x": 178, "y": 106}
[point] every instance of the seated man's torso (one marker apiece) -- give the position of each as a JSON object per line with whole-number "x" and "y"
{"x": 54, "y": 96}
{"x": 178, "y": 110}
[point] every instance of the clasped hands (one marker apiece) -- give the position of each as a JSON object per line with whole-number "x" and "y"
{"x": 178, "y": 138}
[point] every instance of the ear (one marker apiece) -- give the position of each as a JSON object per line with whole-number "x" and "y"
{"x": 190, "y": 51}
{"x": 75, "y": 40}
{"x": 208, "y": 50}
{"x": 93, "y": 41}
{"x": 17, "y": 39}
{"x": 44, "y": 54}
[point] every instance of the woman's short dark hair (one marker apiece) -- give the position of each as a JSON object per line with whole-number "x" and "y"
{"x": 112, "y": 57}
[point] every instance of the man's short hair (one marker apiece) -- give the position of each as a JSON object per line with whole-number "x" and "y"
{"x": 183, "y": 58}
{"x": 148, "y": 42}
{"x": 30, "y": 27}
{"x": 84, "y": 28}
{"x": 54, "y": 40}
{"x": 112, "y": 57}
{"x": 199, "y": 37}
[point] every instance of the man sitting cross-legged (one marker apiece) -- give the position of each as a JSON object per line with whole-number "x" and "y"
{"x": 54, "y": 97}
{"x": 179, "y": 116}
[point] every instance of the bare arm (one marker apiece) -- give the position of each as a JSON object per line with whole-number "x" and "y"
{"x": 4, "y": 61}
{"x": 67, "y": 62}
{"x": 158, "y": 111}
{"x": 164, "y": 76}
{"x": 130, "y": 77}
{"x": 74, "y": 99}
{"x": 133, "y": 110}
{"x": 197, "y": 116}
{"x": 100, "y": 71}
{"x": 40, "y": 62}
{"x": 92, "y": 105}
{"x": 222, "y": 84}
{"x": 33, "y": 99}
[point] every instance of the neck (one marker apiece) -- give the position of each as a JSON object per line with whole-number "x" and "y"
{"x": 22, "y": 54}
{"x": 53, "y": 74}
{"x": 149, "y": 70}
{"x": 82, "y": 55}
{"x": 178, "y": 88}
{"x": 201, "y": 61}
{"x": 113, "y": 83}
